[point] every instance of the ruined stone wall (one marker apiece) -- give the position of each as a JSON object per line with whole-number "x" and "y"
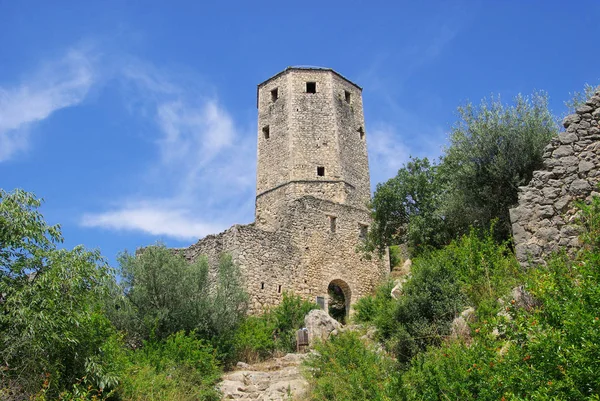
{"x": 543, "y": 221}
{"x": 303, "y": 256}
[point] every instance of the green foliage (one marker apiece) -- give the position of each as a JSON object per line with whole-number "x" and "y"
{"x": 550, "y": 352}
{"x": 344, "y": 368}
{"x": 396, "y": 257}
{"x": 473, "y": 270}
{"x": 405, "y": 208}
{"x": 25, "y": 237}
{"x": 259, "y": 337}
{"x": 181, "y": 367}
{"x": 371, "y": 308}
{"x": 52, "y": 325}
{"x": 493, "y": 150}
{"x": 169, "y": 294}
{"x": 579, "y": 98}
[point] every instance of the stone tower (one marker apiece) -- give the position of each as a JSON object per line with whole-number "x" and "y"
{"x": 311, "y": 141}
{"x": 312, "y": 187}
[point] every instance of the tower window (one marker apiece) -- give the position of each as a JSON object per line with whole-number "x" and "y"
{"x": 279, "y": 289}
{"x": 363, "y": 230}
{"x": 274, "y": 94}
{"x": 262, "y": 286}
{"x": 348, "y": 96}
{"x": 321, "y": 171}
{"x": 361, "y": 132}
{"x": 332, "y": 223}
{"x": 311, "y": 87}
{"x": 266, "y": 132}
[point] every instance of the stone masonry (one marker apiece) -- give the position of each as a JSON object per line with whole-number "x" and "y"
{"x": 544, "y": 220}
{"x": 312, "y": 190}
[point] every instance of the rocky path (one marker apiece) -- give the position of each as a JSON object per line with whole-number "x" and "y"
{"x": 276, "y": 379}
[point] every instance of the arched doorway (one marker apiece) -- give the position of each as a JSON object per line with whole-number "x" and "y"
{"x": 338, "y": 303}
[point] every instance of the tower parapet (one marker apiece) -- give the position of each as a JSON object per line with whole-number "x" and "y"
{"x": 311, "y": 141}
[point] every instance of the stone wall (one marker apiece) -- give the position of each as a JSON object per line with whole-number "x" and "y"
{"x": 305, "y": 131}
{"x": 544, "y": 220}
{"x": 303, "y": 256}
{"x": 308, "y": 225}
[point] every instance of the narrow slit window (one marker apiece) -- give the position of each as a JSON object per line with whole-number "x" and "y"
{"x": 266, "y": 132}
{"x": 348, "y": 96}
{"x": 311, "y": 87}
{"x": 321, "y": 171}
{"x": 332, "y": 223}
{"x": 274, "y": 94}
{"x": 361, "y": 132}
{"x": 279, "y": 289}
{"x": 262, "y": 286}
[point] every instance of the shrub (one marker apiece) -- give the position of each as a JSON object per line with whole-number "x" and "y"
{"x": 168, "y": 294}
{"x": 473, "y": 270}
{"x": 181, "y": 367}
{"x": 551, "y": 351}
{"x": 274, "y": 331}
{"x": 345, "y": 368}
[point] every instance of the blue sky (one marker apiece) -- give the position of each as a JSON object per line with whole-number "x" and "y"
{"x": 136, "y": 121}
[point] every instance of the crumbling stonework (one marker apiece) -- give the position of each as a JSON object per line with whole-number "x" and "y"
{"x": 312, "y": 190}
{"x": 544, "y": 220}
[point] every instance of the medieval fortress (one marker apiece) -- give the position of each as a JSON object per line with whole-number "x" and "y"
{"x": 312, "y": 189}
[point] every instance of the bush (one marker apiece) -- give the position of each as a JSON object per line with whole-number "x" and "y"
{"x": 344, "y": 368}
{"x": 260, "y": 337}
{"x": 473, "y": 270}
{"x": 181, "y": 367}
{"x": 168, "y": 294}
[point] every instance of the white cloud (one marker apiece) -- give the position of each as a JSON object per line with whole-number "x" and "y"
{"x": 387, "y": 152}
{"x": 205, "y": 162}
{"x": 59, "y": 84}
{"x": 175, "y": 223}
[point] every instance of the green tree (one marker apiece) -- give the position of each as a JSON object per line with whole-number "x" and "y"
{"x": 493, "y": 150}
{"x": 52, "y": 325}
{"x": 406, "y": 208}
{"x": 168, "y": 294}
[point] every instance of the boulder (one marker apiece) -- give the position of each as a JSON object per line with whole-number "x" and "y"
{"x": 320, "y": 325}
{"x": 522, "y": 298}
{"x": 397, "y": 290}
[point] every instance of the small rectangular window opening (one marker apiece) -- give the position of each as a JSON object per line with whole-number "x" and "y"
{"x": 361, "y": 132}
{"x": 274, "y": 94}
{"x": 348, "y": 96}
{"x": 279, "y": 289}
{"x": 311, "y": 87}
{"x": 332, "y": 223}
{"x": 262, "y": 286}
{"x": 363, "y": 230}
{"x": 266, "y": 132}
{"x": 321, "y": 171}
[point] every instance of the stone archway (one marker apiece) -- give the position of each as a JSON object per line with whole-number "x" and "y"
{"x": 338, "y": 302}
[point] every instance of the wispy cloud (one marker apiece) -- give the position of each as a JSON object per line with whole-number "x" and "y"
{"x": 205, "y": 161}
{"x": 60, "y": 83}
{"x": 179, "y": 223}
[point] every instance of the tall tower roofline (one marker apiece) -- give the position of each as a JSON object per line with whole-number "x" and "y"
{"x": 303, "y": 68}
